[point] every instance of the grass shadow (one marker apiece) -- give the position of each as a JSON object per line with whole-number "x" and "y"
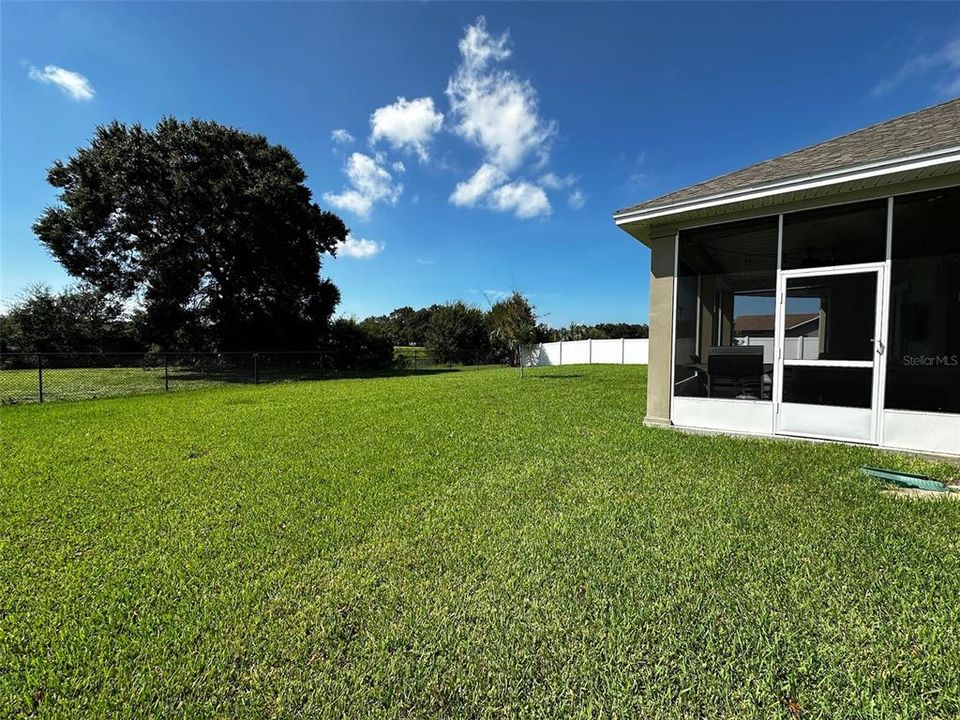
{"x": 566, "y": 376}
{"x": 391, "y": 372}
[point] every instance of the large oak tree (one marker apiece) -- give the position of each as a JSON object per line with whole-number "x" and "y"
{"x": 212, "y": 229}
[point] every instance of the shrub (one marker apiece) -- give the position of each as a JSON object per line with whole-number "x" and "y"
{"x": 354, "y": 348}
{"x": 457, "y": 334}
{"x": 511, "y": 323}
{"x": 77, "y": 319}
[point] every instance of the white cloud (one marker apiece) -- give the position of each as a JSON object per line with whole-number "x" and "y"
{"x": 370, "y": 183}
{"x": 554, "y": 182}
{"x": 496, "y": 110}
{"x": 524, "y": 199}
{"x": 355, "y": 202}
{"x": 944, "y": 62}
{"x": 72, "y": 83}
{"x": 479, "y": 48}
{"x": 371, "y": 179}
{"x": 341, "y": 136}
{"x": 488, "y": 186}
{"x": 469, "y": 192}
{"x": 950, "y": 88}
{"x": 407, "y": 125}
{"x": 421, "y": 261}
{"x": 575, "y": 199}
{"x": 493, "y": 108}
{"x": 361, "y": 249}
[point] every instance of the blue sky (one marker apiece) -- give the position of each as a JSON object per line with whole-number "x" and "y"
{"x": 470, "y": 157}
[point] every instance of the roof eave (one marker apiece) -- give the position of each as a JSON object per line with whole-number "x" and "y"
{"x": 804, "y": 322}
{"x": 810, "y": 182}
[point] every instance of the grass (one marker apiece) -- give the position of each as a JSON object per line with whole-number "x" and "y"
{"x": 22, "y": 386}
{"x": 463, "y": 544}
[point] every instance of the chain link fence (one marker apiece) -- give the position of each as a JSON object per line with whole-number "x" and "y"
{"x": 52, "y": 377}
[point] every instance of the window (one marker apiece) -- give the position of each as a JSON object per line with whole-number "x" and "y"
{"x": 837, "y": 386}
{"x": 725, "y": 314}
{"x": 841, "y": 235}
{"x": 831, "y": 317}
{"x": 923, "y": 365}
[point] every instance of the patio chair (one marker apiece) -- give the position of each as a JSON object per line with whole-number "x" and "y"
{"x": 735, "y": 372}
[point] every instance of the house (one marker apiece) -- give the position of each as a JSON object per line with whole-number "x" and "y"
{"x": 801, "y": 332}
{"x": 860, "y": 235}
{"x": 763, "y": 326}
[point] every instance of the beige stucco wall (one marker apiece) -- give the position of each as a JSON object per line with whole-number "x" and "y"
{"x": 659, "y": 370}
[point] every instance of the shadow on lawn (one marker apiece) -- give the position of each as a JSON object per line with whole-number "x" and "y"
{"x": 213, "y": 377}
{"x": 397, "y": 372}
{"x": 21, "y": 386}
{"x": 568, "y": 376}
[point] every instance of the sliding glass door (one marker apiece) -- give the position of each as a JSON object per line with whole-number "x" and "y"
{"x": 828, "y": 351}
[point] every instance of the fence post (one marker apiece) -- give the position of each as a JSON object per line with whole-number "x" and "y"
{"x": 166, "y": 372}
{"x": 40, "y": 375}
{"x": 623, "y": 351}
{"x": 561, "y": 353}
{"x": 256, "y": 370}
{"x": 589, "y": 351}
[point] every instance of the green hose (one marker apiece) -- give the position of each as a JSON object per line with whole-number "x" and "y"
{"x": 907, "y": 480}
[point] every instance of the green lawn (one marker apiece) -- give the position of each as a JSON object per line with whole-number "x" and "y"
{"x": 465, "y": 544}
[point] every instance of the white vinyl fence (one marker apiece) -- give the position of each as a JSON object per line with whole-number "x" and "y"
{"x": 587, "y": 352}
{"x": 794, "y": 348}
{"x": 636, "y": 352}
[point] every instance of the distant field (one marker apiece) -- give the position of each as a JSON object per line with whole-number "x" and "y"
{"x": 21, "y": 386}
{"x": 459, "y": 544}
{"x": 78, "y": 383}
{"x": 410, "y": 351}
{"x": 418, "y": 357}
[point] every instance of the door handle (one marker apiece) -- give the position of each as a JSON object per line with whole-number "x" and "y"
{"x": 881, "y": 348}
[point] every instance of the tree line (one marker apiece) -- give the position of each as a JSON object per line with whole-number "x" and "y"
{"x": 81, "y": 319}
{"x": 458, "y": 332}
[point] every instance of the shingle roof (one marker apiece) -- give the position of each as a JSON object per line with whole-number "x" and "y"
{"x": 756, "y": 323}
{"x": 935, "y": 128}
